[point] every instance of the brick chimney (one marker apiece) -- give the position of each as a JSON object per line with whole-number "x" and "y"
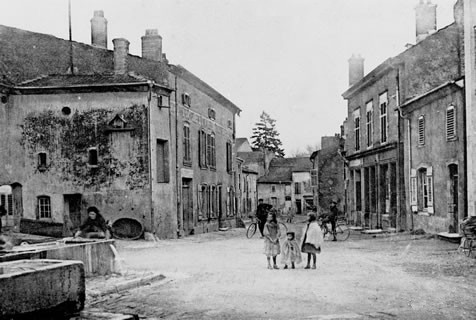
{"x": 425, "y": 15}
{"x": 152, "y": 45}
{"x": 356, "y": 69}
{"x": 121, "y": 51}
{"x": 99, "y": 29}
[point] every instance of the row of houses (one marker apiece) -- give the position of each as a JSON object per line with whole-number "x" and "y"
{"x": 135, "y": 136}
{"x": 405, "y": 132}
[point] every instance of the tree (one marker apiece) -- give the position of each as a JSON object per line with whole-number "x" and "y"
{"x": 265, "y": 135}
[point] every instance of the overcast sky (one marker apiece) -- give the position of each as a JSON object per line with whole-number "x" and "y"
{"x": 287, "y": 57}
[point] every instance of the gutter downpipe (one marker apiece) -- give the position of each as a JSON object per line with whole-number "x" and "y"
{"x": 400, "y": 115}
{"x": 177, "y": 169}
{"x": 149, "y": 158}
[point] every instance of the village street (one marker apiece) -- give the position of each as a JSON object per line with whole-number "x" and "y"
{"x": 223, "y": 275}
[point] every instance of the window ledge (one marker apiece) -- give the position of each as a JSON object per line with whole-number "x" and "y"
{"x": 452, "y": 139}
{"x": 423, "y": 213}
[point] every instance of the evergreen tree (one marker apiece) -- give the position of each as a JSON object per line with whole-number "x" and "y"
{"x": 265, "y": 135}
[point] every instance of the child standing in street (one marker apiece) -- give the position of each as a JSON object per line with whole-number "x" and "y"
{"x": 312, "y": 240}
{"x": 271, "y": 234}
{"x": 291, "y": 253}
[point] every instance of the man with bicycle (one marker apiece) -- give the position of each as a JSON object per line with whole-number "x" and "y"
{"x": 331, "y": 217}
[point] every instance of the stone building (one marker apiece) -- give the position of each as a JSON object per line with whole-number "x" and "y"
{"x": 375, "y": 140}
{"x": 327, "y": 175}
{"x": 205, "y": 158}
{"x": 82, "y": 125}
{"x": 435, "y": 157}
{"x": 287, "y": 185}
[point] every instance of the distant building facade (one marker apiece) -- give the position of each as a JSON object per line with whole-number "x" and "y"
{"x": 327, "y": 173}
{"x": 287, "y": 185}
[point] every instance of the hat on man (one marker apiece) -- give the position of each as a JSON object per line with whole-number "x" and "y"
{"x": 93, "y": 209}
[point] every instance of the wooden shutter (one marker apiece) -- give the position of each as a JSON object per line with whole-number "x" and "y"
{"x": 199, "y": 202}
{"x": 413, "y": 191}
{"x": 421, "y": 130}
{"x": 429, "y": 182}
{"x": 450, "y": 122}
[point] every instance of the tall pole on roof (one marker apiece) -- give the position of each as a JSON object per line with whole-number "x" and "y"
{"x": 71, "y": 65}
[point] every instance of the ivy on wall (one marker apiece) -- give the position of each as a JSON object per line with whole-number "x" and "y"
{"x": 68, "y": 138}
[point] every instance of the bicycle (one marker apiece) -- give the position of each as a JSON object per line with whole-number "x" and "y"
{"x": 250, "y": 232}
{"x": 342, "y": 232}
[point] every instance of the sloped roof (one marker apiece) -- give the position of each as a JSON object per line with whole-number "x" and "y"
{"x": 186, "y": 75}
{"x": 80, "y": 79}
{"x": 239, "y": 142}
{"x": 251, "y": 157}
{"x": 26, "y": 55}
{"x": 281, "y": 169}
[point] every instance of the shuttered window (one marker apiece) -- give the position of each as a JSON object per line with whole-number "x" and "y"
{"x": 421, "y": 130}
{"x": 383, "y": 101}
{"x": 357, "y": 133}
{"x": 369, "y": 118}
{"x": 187, "y": 150}
{"x": 450, "y": 123}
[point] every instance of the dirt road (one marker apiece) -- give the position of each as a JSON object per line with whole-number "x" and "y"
{"x": 223, "y": 276}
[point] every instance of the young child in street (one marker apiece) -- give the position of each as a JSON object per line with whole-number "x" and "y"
{"x": 271, "y": 234}
{"x": 291, "y": 253}
{"x": 312, "y": 240}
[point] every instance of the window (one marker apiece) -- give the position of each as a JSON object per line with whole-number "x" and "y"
{"x": 42, "y": 161}
{"x": 274, "y": 202}
{"x": 314, "y": 178}
{"x": 202, "y": 148}
{"x": 369, "y": 118}
{"x": 273, "y": 189}
{"x": 450, "y": 123}
{"x": 186, "y": 99}
{"x": 211, "y": 113}
{"x": 357, "y": 133}
{"x": 163, "y": 175}
{"x": 229, "y": 161}
{"x": 93, "y": 156}
{"x": 383, "y": 117}
{"x": 421, "y": 189}
{"x": 160, "y": 101}
{"x": 421, "y": 130}
{"x": 230, "y": 124}
{"x": 187, "y": 151}
{"x": 44, "y": 207}
{"x": 297, "y": 188}
{"x": 211, "y": 152}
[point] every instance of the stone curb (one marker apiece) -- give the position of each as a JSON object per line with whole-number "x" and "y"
{"x": 126, "y": 285}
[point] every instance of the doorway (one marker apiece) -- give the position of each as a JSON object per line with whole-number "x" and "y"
{"x": 453, "y": 197}
{"x": 298, "y": 206}
{"x": 187, "y": 205}
{"x": 72, "y": 213}
{"x": 6, "y": 200}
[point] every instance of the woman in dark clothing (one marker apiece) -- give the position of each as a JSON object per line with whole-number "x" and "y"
{"x": 94, "y": 227}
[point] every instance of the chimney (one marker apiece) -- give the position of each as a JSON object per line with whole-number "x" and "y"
{"x": 356, "y": 69}
{"x": 99, "y": 29}
{"x": 121, "y": 50}
{"x": 152, "y": 45}
{"x": 425, "y": 14}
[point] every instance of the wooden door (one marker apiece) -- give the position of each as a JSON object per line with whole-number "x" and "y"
{"x": 187, "y": 205}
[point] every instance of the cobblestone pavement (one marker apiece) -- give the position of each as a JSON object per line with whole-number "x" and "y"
{"x": 223, "y": 275}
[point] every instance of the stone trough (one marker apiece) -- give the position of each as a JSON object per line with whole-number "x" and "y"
{"x": 37, "y": 287}
{"x": 98, "y": 256}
